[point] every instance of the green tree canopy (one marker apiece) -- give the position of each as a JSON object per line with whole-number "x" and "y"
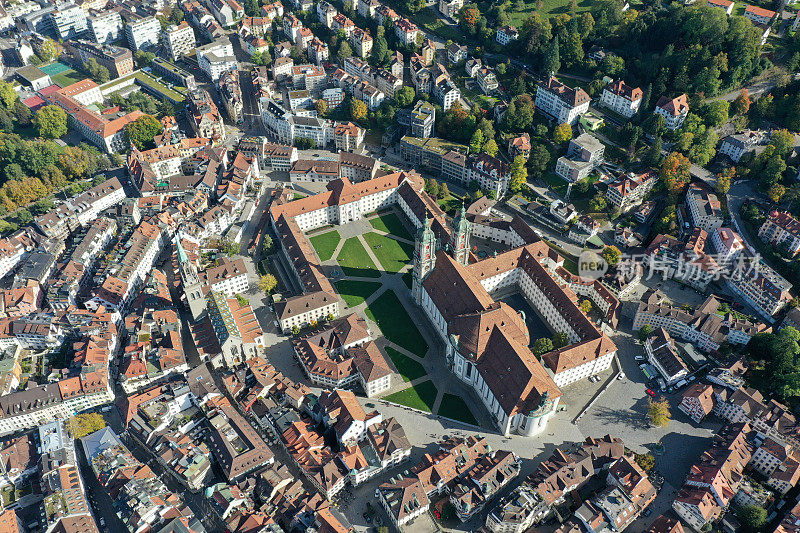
{"x": 51, "y": 122}
{"x": 142, "y": 131}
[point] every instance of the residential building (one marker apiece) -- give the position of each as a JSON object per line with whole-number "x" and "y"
{"x": 759, "y": 15}
{"x": 118, "y": 60}
{"x": 487, "y": 81}
{"x": 143, "y": 33}
{"x": 563, "y": 104}
{"x": 584, "y": 154}
{"x": 704, "y": 207}
{"x": 216, "y": 57}
{"x": 622, "y": 98}
{"x": 68, "y": 21}
{"x": 348, "y": 136}
{"x": 698, "y": 401}
{"x": 507, "y": 34}
{"x": 104, "y": 26}
{"x": 450, "y": 8}
{"x": 179, "y": 40}
{"x": 737, "y": 145}
{"x": 423, "y": 117}
{"x": 629, "y": 191}
{"x": 782, "y": 230}
{"x": 520, "y": 145}
{"x": 663, "y": 355}
{"x": 674, "y": 110}
{"x": 725, "y": 5}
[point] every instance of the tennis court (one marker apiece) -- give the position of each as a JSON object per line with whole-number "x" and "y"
{"x": 55, "y": 68}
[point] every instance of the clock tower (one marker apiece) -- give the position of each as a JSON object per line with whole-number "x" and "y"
{"x": 424, "y": 257}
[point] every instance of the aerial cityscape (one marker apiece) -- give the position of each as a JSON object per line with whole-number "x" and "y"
{"x": 373, "y": 266}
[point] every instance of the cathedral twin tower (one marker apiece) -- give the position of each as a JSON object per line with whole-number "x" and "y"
{"x": 426, "y": 245}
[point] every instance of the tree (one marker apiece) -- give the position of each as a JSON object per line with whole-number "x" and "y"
{"x": 432, "y": 188}
{"x": 78, "y": 162}
{"x": 741, "y": 106}
{"x": 542, "y": 346}
{"x": 142, "y": 131}
{"x": 322, "y": 107}
{"x": 267, "y": 283}
{"x": 85, "y": 424}
{"x": 658, "y": 412}
{"x": 344, "y": 52}
{"x": 380, "y": 51}
{"x": 586, "y": 306}
{"x": 405, "y": 96}
{"x": 552, "y": 62}
{"x": 49, "y": 50}
{"x": 612, "y": 255}
{"x": 653, "y": 155}
{"x": 645, "y": 332}
{"x": 51, "y": 122}
{"x": 674, "y": 172}
{"x": 717, "y": 112}
{"x": 358, "y": 110}
{"x": 295, "y": 330}
{"x": 782, "y": 140}
{"x": 560, "y": 339}
{"x": 266, "y": 244}
{"x": 646, "y": 461}
{"x": 7, "y": 95}
{"x": 538, "y": 160}
{"x": 519, "y": 174}
{"x": 562, "y": 133}
{"x": 776, "y": 192}
{"x": 444, "y": 191}
{"x": 724, "y": 180}
{"x": 476, "y": 143}
{"x": 490, "y": 147}
{"x": 752, "y": 517}
{"x": 143, "y": 59}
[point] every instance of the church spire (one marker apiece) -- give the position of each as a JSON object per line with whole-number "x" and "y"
{"x": 459, "y": 241}
{"x": 424, "y": 257}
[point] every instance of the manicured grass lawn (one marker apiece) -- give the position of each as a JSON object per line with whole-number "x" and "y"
{"x": 419, "y": 396}
{"x": 395, "y": 324}
{"x": 406, "y": 367}
{"x": 354, "y": 260}
{"x": 392, "y": 254}
{"x": 455, "y": 407}
{"x": 431, "y": 22}
{"x": 67, "y": 77}
{"x": 550, "y": 8}
{"x": 325, "y": 244}
{"x": 555, "y": 183}
{"x": 355, "y": 292}
{"x": 390, "y": 224}
{"x": 450, "y": 204}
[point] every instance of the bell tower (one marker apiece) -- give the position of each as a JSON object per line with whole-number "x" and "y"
{"x": 424, "y": 257}
{"x": 459, "y": 243}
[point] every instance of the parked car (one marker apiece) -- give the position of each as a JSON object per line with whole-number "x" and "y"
{"x": 650, "y": 392}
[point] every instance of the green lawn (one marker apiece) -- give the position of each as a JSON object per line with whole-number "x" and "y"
{"x": 389, "y": 223}
{"x": 550, "y": 8}
{"x": 354, "y": 260}
{"x": 392, "y": 254}
{"x": 450, "y": 204}
{"x": 419, "y": 396}
{"x": 67, "y": 77}
{"x": 325, "y": 244}
{"x": 455, "y": 407}
{"x": 406, "y": 367}
{"x": 355, "y": 292}
{"x": 428, "y": 19}
{"x": 555, "y": 183}
{"x": 395, "y": 324}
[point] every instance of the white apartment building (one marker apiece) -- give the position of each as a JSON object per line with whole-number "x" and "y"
{"x": 759, "y": 15}
{"x": 105, "y": 26}
{"x": 69, "y": 21}
{"x": 179, "y": 40}
{"x": 760, "y": 286}
{"x": 739, "y": 144}
{"x": 143, "y": 32}
{"x": 674, "y": 110}
{"x": 704, "y": 207}
{"x": 217, "y": 57}
{"x": 622, "y": 98}
{"x": 563, "y": 104}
